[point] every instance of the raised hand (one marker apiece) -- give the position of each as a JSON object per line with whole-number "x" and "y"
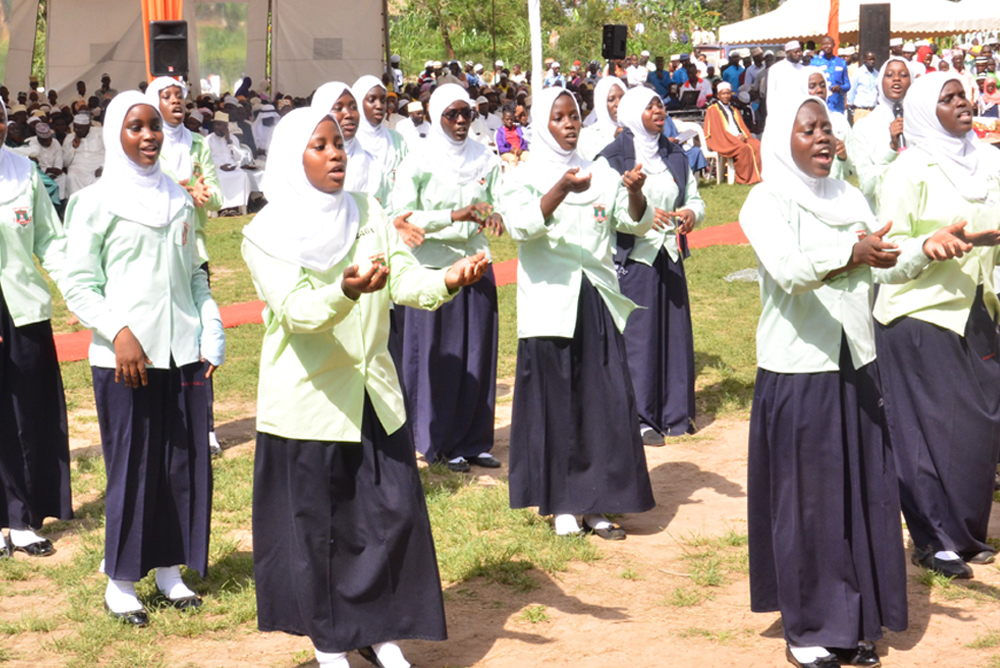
{"x": 466, "y": 271}
{"x": 572, "y": 182}
{"x": 355, "y": 284}
{"x": 634, "y": 179}
{"x": 875, "y": 252}
{"x": 411, "y": 235}
{"x": 947, "y": 243}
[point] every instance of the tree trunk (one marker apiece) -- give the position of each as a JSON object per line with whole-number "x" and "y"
{"x": 746, "y": 9}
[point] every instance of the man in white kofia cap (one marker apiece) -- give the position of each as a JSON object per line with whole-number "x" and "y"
{"x": 83, "y": 155}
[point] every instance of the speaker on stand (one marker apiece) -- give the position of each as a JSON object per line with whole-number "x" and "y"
{"x": 875, "y": 31}
{"x": 168, "y": 48}
{"x": 614, "y": 42}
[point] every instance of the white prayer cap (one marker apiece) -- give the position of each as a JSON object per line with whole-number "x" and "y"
{"x": 645, "y": 53}
{"x": 394, "y": 59}
{"x": 429, "y": 63}
{"x": 468, "y": 63}
{"x": 437, "y": 64}
{"x": 794, "y": 44}
{"x": 896, "y": 41}
{"x": 848, "y": 51}
{"x": 555, "y": 64}
{"x": 481, "y": 100}
{"x": 414, "y": 107}
{"x": 81, "y": 119}
{"x": 231, "y": 100}
{"x": 744, "y": 53}
{"x": 33, "y": 120}
{"x": 499, "y": 63}
{"x": 198, "y": 116}
{"x": 675, "y": 58}
{"x": 478, "y": 67}
{"x": 402, "y": 103}
{"x": 923, "y": 42}
{"x": 909, "y": 47}
{"x": 725, "y": 85}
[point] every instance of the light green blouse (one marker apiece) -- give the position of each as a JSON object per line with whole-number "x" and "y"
{"x": 555, "y": 253}
{"x": 432, "y": 199}
{"x": 121, "y": 273}
{"x": 871, "y": 154}
{"x": 29, "y": 228}
{"x": 919, "y": 199}
{"x": 323, "y": 351}
{"x": 201, "y": 163}
{"x": 593, "y": 140}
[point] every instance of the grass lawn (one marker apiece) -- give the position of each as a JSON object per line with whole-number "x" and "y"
{"x": 477, "y": 534}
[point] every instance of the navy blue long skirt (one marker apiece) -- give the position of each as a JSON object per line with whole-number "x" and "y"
{"x": 342, "y": 546}
{"x": 660, "y": 344}
{"x": 826, "y": 541}
{"x": 34, "y": 441}
{"x": 574, "y": 435}
{"x": 450, "y": 372}
{"x": 942, "y": 397}
{"x": 159, "y": 494}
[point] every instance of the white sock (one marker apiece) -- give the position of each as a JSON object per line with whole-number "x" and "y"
{"x": 808, "y": 654}
{"x": 566, "y": 525}
{"x": 24, "y": 537}
{"x": 597, "y": 521}
{"x": 170, "y": 583}
{"x": 456, "y": 460}
{"x": 645, "y": 430}
{"x": 944, "y": 555}
{"x": 390, "y": 655}
{"x": 120, "y": 597}
{"x": 212, "y": 440}
{"x": 332, "y": 659}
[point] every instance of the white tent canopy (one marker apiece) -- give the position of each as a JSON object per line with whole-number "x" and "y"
{"x": 977, "y": 15}
{"x": 313, "y": 41}
{"x": 807, "y": 19}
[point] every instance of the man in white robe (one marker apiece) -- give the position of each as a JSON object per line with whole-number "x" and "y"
{"x": 227, "y": 156}
{"x": 83, "y": 155}
{"x": 50, "y": 156}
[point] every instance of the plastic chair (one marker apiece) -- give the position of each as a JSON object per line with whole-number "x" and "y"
{"x": 721, "y": 162}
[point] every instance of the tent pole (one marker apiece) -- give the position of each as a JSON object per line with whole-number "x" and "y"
{"x": 535, "y": 25}
{"x": 388, "y": 48}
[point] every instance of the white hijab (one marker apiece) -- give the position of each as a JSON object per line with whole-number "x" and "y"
{"x": 835, "y": 202}
{"x": 300, "y": 224}
{"x": 177, "y": 141}
{"x": 262, "y": 133}
{"x": 601, "y": 116}
{"x": 959, "y": 157}
{"x": 144, "y": 195}
{"x": 549, "y": 161}
{"x": 460, "y": 161}
{"x": 647, "y": 144}
{"x": 15, "y": 170}
{"x": 364, "y": 174}
{"x": 884, "y": 109}
{"x": 376, "y": 139}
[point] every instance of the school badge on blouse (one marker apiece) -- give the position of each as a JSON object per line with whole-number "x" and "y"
{"x": 184, "y": 235}
{"x": 600, "y": 213}
{"x": 22, "y": 217}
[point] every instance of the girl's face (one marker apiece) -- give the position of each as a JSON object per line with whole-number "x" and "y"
{"x": 654, "y": 116}
{"x": 374, "y": 105}
{"x": 813, "y": 141}
{"x": 896, "y": 81}
{"x": 954, "y": 110}
{"x": 817, "y": 85}
{"x": 564, "y": 122}
{"x": 614, "y": 97}
{"x": 345, "y": 110}
{"x": 324, "y": 160}
{"x": 172, "y": 105}
{"x": 142, "y": 135}
{"x": 456, "y": 120}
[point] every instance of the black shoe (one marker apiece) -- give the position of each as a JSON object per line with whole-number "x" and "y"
{"x": 996, "y": 483}
{"x": 137, "y": 618}
{"x": 461, "y": 466}
{"x": 865, "y": 655}
{"x": 614, "y": 532}
{"x": 984, "y": 557}
{"x": 42, "y": 548}
{"x": 952, "y": 568}
{"x": 185, "y": 603}
{"x": 4, "y": 548}
{"x": 368, "y": 654}
{"x": 486, "y": 460}
{"x": 215, "y": 450}
{"x": 652, "y": 438}
{"x": 828, "y": 661}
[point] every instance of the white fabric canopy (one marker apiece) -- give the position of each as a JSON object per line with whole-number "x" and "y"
{"x": 977, "y": 15}
{"x": 21, "y": 25}
{"x": 807, "y": 19}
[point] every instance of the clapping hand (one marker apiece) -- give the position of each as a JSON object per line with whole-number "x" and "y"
{"x": 466, "y": 271}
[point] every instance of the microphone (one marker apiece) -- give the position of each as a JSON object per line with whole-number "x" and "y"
{"x": 897, "y": 112}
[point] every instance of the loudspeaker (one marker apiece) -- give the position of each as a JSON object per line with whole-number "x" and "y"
{"x": 168, "y": 48}
{"x": 613, "y": 44}
{"x": 875, "y": 31}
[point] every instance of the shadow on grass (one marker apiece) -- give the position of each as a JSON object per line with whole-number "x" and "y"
{"x": 733, "y": 392}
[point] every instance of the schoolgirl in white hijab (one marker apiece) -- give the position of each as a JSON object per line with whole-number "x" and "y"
{"x": 387, "y": 146}
{"x": 815, "y": 78}
{"x": 364, "y": 173}
{"x": 816, "y": 422}
{"x": 937, "y": 332}
{"x": 874, "y": 141}
{"x": 34, "y": 461}
{"x": 600, "y": 128}
{"x": 451, "y": 186}
{"x": 133, "y": 278}
{"x": 574, "y": 402}
{"x": 330, "y": 408}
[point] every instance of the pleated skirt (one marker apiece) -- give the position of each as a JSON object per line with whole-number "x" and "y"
{"x": 449, "y": 362}
{"x": 342, "y": 544}
{"x": 159, "y": 493}
{"x": 34, "y": 441}
{"x": 575, "y": 446}
{"x": 942, "y": 396}
{"x": 825, "y": 537}
{"x": 660, "y": 344}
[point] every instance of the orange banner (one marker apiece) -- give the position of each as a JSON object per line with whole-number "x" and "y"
{"x": 833, "y": 28}
{"x": 159, "y": 10}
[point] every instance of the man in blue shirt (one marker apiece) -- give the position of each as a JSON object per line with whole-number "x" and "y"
{"x": 660, "y": 79}
{"x": 837, "y": 80}
{"x": 553, "y": 78}
{"x": 733, "y": 71}
{"x": 864, "y": 89}
{"x": 680, "y": 76}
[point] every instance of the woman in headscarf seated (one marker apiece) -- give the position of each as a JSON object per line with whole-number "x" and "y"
{"x": 727, "y": 135}
{"x": 989, "y": 99}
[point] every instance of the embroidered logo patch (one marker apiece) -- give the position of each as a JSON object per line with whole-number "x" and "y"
{"x": 21, "y": 216}
{"x": 482, "y": 181}
{"x": 600, "y": 213}
{"x": 184, "y": 235}
{"x": 378, "y": 260}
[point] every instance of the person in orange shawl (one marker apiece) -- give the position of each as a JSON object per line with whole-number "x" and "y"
{"x": 727, "y": 135}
